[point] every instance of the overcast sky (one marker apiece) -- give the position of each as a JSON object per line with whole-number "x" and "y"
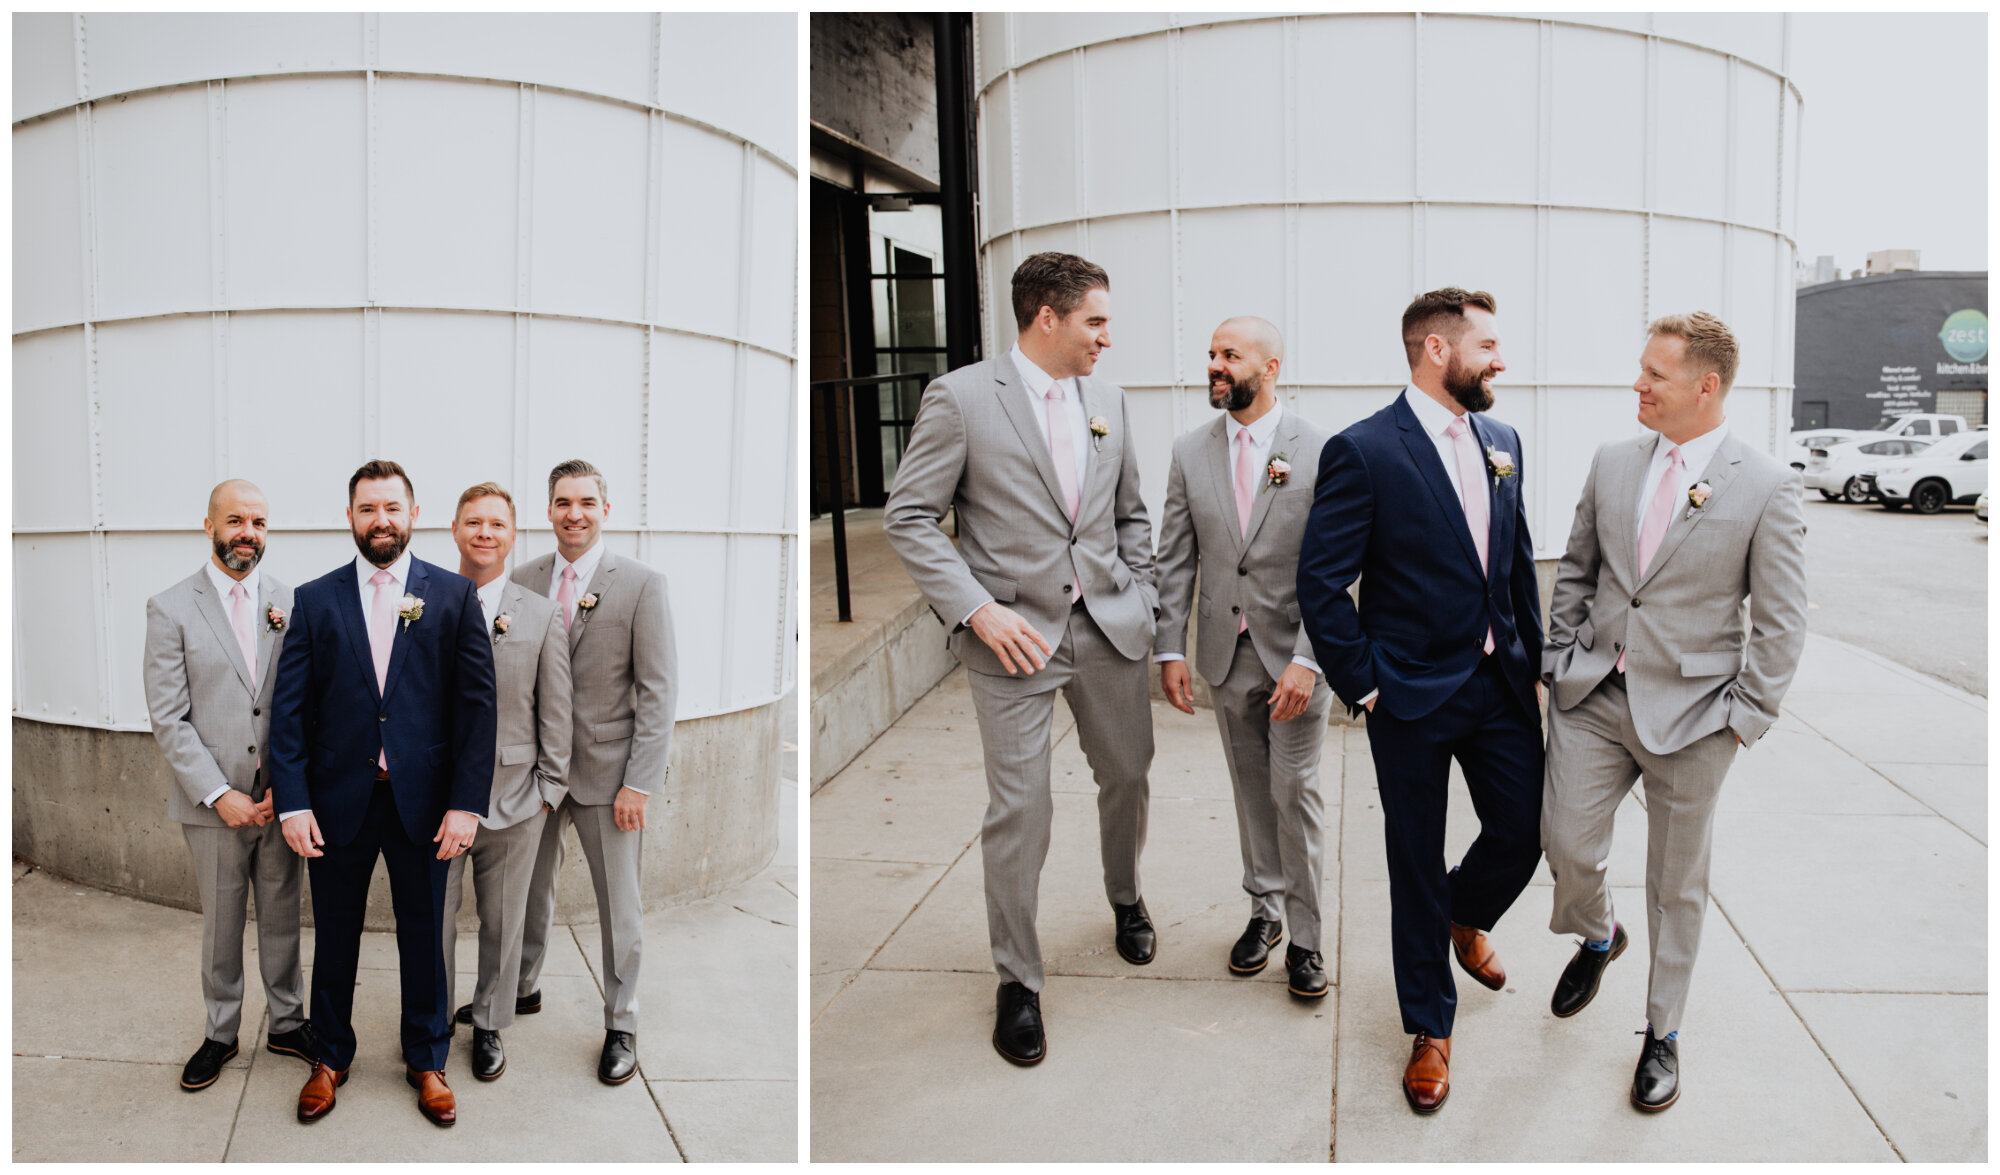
{"x": 1895, "y": 136}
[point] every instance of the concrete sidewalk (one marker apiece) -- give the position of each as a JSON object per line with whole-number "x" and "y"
{"x": 107, "y": 1008}
{"x": 1838, "y": 1010}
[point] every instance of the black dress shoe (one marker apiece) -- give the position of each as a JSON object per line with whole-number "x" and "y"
{"x": 1017, "y": 1030}
{"x": 1135, "y": 933}
{"x": 299, "y": 1042}
{"x": 1253, "y": 950}
{"x": 620, "y": 1059}
{"x": 1657, "y": 1083}
{"x": 1578, "y": 985}
{"x": 526, "y": 1005}
{"x": 206, "y": 1065}
{"x": 1308, "y": 974}
{"x": 488, "y": 1061}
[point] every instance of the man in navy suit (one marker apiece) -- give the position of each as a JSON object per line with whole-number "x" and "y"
{"x": 1422, "y": 502}
{"x": 382, "y": 726}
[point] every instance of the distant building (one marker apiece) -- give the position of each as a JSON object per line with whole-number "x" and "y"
{"x": 1893, "y": 261}
{"x": 1879, "y": 346}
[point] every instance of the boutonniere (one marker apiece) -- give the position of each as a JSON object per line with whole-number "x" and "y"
{"x": 1698, "y": 497}
{"x": 1099, "y": 429}
{"x": 587, "y": 603}
{"x": 500, "y": 625}
{"x": 409, "y": 608}
{"x": 274, "y": 618}
{"x": 1278, "y": 472}
{"x": 1500, "y": 462}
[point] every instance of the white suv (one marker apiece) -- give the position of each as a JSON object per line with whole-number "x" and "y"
{"x": 1836, "y": 470}
{"x": 1953, "y": 470}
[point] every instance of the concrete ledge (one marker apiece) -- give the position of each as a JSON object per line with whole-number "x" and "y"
{"x": 91, "y": 805}
{"x": 872, "y": 683}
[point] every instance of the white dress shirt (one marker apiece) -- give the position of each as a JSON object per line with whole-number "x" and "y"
{"x": 1261, "y": 433}
{"x": 399, "y": 577}
{"x": 1695, "y": 457}
{"x": 489, "y": 597}
{"x": 223, "y": 586}
{"x": 586, "y": 566}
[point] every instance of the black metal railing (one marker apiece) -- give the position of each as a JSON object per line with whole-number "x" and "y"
{"x": 836, "y": 498}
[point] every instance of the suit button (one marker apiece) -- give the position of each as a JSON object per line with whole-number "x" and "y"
{"x": 253, "y": 750}
{"x": 1242, "y": 571}
{"x": 1635, "y": 601}
{"x": 1233, "y": 609}
{"x": 255, "y": 713}
{"x": 1072, "y": 540}
{"x": 1067, "y": 589}
{"x": 381, "y": 718}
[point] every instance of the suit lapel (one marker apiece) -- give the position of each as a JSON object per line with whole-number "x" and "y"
{"x": 399, "y": 651}
{"x": 1094, "y": 462}
{"x": 600, "y": 582}
{"x": 1722, "y": 469}
{"x": 1219, "y": 480}
{"x": 1014, "y": 402}
{"x": 347, "y": 608}
{"x": 511, "y": 596}
{"x": 1496, "y": 536}
{"x": 1424, "y": 453}
{"x": 261, "y": 625}
{"x": 225, "y": 631}
{"x": 1261, "y": 491}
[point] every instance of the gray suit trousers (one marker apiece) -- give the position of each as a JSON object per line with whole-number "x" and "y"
{"x": 502, "y": 863}
{"x": 1594, "y": 755}
{"x": 1107, "y": 692}
{"x": 228, "y": 864}
{"x": 613, "y": 856}
{"x": 1274, "y": 767}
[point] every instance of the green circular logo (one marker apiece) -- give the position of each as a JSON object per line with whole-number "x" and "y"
{"x": 1964, "y": 336}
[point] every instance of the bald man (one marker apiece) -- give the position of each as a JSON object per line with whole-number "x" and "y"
{"x": 212, "y": 645}
{"x": 1238, "y": 494}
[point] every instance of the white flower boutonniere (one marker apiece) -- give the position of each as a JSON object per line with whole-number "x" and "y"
{"x": 410, "y": 608}
{"x": 501, "y": 624}
{"x": 1698, "y": 497}
{"x": 1099, "y": 429}
{"x": 587, "y": 603}
{"x": 1278, "y": 472}
{"x": 1501, "y": 463}
{"x": 274, "y": 618}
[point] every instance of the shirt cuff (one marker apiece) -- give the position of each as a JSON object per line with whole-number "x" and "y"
{"x": 214, "y": 796}
{"x": 635, "y": 791}
{"x": 967, "y": 622}
{"x": 1372, "y": 695}
{"x": 1308, "y": 662}
{"x": 1163, "y": 658}
{"x": 284, "y": 816}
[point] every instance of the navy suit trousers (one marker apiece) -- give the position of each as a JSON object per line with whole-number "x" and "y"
{"x": 1498, "y": 744}
{"x": 340, "y": 902}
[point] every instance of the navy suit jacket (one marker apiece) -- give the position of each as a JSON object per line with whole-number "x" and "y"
{"x": 435, "y": 720}
{"x": 1384, "y": 510}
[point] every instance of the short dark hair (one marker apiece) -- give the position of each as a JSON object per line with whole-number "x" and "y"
{"x": 377, "y": 470}
{"x": 1441, "y": 313}
{"x": 578, "y": 467}
{"x": 1059, "y": 281}
{"x": 485, "y": 489}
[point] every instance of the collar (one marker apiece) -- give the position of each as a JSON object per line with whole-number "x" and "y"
{"x": 1697, "y": 452}
{"x": 1262, "y": 430}
{"x": 489, "y": 595}
{"x": 585, "y": 566}
{"x": 223, "y": 583}
{"x": 398, "y": 571}
{"x": 1034, "y": 378}
{"x": 1433, "y": 416}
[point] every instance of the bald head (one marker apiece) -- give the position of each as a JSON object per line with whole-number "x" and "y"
{"x": 234, "y": 490}
{"x": 236, "y": 525}
{"x": 1259, "y": 335}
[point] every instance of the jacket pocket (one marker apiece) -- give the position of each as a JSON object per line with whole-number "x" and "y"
{"x": 439, "y": 752}
{"x": 1292, "y": 612}
{"x": 517, "y": 754}
{"x": 1726, "y": 663}
{"x": 605, "y": 732}
{"x": 1586, "y": 633}
{"x": 1003, "y": 589}
{"x": 1121, "y": 576}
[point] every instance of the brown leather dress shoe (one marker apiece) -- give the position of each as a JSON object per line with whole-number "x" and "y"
{"x": 316, "y": 1099}
{"x": 1477, "y": 957}
{"x": 433, "y": 1095}
{"x": 1427, "y": 1078}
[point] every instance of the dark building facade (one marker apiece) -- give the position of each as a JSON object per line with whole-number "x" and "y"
{"x": 1876, "y": 347}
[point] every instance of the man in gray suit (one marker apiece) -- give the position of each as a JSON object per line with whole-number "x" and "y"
{"x": 1050, "y": 586}
{"x": 1679, "y": 537}
{"x": 530, "y": 762}
{"x": 1238, "y": 492}
{"x": 212, "y": 645}
{"x": 623, "y": 674}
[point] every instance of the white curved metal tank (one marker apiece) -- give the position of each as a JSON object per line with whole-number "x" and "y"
{"x": 276, "y": 246}
{"x": 1593, "y": 173}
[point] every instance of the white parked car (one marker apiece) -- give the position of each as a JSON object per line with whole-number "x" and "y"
{"x": 1953, "y": 470}
{"x": 1806, "y": 440}
{"x": 1921, "y": 424}
{"x": 1836, "y": 470}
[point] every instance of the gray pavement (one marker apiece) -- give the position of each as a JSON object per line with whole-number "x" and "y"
{"x": 107, "y": 1008}
{"x": 1838, "y": 1010}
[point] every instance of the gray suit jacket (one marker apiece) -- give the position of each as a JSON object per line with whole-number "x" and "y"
{"x": 976, "y": 446}
{"x": 210, "y": 719}
{"x": 623, "y": 678}
{"x": 533, "y": 735}
{"x": 1257, "y": 576}
{"x": 1689, "y": 671}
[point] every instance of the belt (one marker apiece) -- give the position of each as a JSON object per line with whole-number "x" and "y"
{"x": 381, "y": 775}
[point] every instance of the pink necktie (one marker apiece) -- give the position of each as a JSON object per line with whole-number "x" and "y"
{"x": 1471, "y": 494}
{"x": 1659, "y": 516}
{"x": 382, "y": 638}
{"x": 1243, "y": 498}
{"x": 566, "y": 595}
{"x": 239, "y": 618}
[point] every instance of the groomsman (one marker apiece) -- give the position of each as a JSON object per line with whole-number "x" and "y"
{"x": 1049, "y": 586}
{"x": 1422, "y": 503}
{"x": 1683, "y": 539}
{"x": 1238, "y": 492}
{"x": 620, "y": 636}
{"x": 531, "y": 759}
{"x": 212, "y": 645}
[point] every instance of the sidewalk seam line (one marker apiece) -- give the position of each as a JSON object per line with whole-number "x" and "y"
{"x": 638, "y": 1067}
{"x": 242, "y": 1095}
{"x": 897, "y": 929}
{"x": 1926, "y": 805}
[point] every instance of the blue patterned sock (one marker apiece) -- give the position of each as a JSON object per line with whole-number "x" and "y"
{"x": 1598, "y": 944}
{"x": 1674, "y": 1035}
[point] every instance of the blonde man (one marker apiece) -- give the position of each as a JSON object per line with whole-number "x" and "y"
{"x": 1680, "y": 535}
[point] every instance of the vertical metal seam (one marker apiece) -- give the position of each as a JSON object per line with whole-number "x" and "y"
{"x": 523, "y": 476}
{"x": 1013, "y": 161}
{"x": 654, "y": 64}
{"x": 1729, "y": 133}
{"x": 372, "y": 230}
{"x": 1649, "y": 172}
{"x": 371, "y": 380}
{"x": 1545, "y": 112}
{"x": 649, "y": 281}
{"x": 740, "y": 388}
{"x": 218, "y": 211}
{"x": 1080, "y": 102}
{"x": 220, "y": 417}
{"x": 1419, "y": 217}
{"x": 86, "y": 154}
{"x": 1288, "y": 47}
{"x": 100, "y": 560}
{"x": 524, "y": 202}
{"x": 1178, "y": 409}
{"x": 80, "y": 54}
{"x": 646, "y": 435}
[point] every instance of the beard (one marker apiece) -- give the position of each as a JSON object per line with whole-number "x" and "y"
{"x": 1468, "y": 386}
{"x": 369, "y": 543}
{"x": 1241, "y": 394}
{"x": 225, "y": 552}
